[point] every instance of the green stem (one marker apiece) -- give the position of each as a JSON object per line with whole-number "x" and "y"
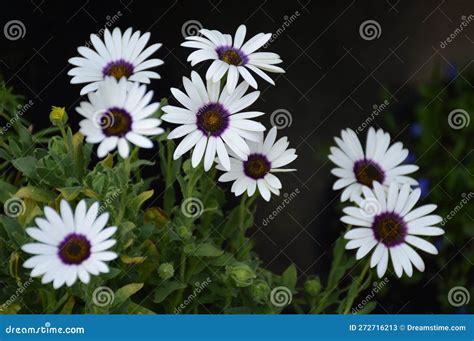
{"x": 360, "y": 281}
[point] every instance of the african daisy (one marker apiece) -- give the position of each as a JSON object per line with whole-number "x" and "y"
{"x": 212, "y": 120}
{"x": 71, "y": 245}
{"x": 388, "y": 223}
{"x": 119, "y": 113}
{"x": 119, "y": 55}
{"x": 379, "y": 162}
{"x": 256, "y": 168}
{"x": 234, "y": 57}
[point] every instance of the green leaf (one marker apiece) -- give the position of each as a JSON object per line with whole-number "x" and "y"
{"x": 35, "y": 194}
{"x": 204, "y": 250}
{"x": 67, "y": 309}
{"x": 70, "y": 193}
{"x": 122, "y": 294}
{"x": 26, "y": 165}
{"x": 289, "y": 277}
{"x": 134, "y": 308}
{"x": 140, "y": 199}
{"x": 164, "y": 291}
{"x": 6, "y": 190}
{"x": 367, "y": 308}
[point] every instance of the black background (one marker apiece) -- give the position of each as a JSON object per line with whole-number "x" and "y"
{"x": 333, "y": 79}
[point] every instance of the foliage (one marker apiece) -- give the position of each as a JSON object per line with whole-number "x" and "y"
{"x": 442, "y": 146}
{"x": 182, "y": 248}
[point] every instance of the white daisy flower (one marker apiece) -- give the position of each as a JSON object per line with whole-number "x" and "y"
{"x": 212, "y": 120}
{"x": 255, "y": 170}
{"x": 118, "y": 113}
{"x": 233, "y": 57}
{"x": 118, "y": 56}
{"x": 379, "y": 163}
{"x": 388, "y": 223}
{"x": 71, "y": 245}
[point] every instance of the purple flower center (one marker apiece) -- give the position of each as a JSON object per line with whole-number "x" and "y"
{"x": 118, "y": 69}
{"x": 389, "y": 228}
{"x": 367, "y": 171}
{"x": 212, "y": 119}
{"x": 232, "y": 56}
{"x": 256, "y": 166}
{"x": 74, "y": 249}
{"x": 115, "y": 122}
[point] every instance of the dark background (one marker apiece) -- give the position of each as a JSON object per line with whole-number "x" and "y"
{"x": 333, "y": 80}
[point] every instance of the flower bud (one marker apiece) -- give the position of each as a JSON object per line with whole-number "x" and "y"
{"x": 166, "y": 271}
{"x": 260, "y": 292}
{"x": 58, "y": 116}
{"x": 184, "y": 233}
{"x": 242, "y": 274}
{"x": 312, "y": 286}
